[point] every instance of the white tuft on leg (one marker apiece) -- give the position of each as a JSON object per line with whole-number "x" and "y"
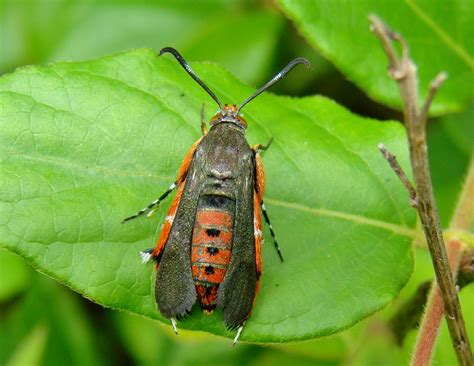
{"x": 151, "y": 212}
{"x": 145, "y": 256}
{"x": 239, "y": 330}
{"x": 169, "y": 219}
{"x": 173, "y": 324}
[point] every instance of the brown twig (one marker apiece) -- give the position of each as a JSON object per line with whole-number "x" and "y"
{"x": 462, "y": 218}
{"x": 431, "y": 321}
{"x": 392, "y": 160}
{"x": 434, "y": 86}
{"x": 403, "y": 71}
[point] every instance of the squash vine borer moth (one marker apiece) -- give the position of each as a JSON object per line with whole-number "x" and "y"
{"x": 209, "y": 247}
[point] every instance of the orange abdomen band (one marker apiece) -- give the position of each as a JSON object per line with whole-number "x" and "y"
{"x": 211, "y": 246}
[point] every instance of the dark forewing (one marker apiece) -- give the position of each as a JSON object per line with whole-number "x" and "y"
{"x": 237, "y": 292}
{"x": 174, "y": 289}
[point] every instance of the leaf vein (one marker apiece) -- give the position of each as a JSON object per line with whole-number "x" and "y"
{"x": 398, "y": 229}
{"x": 89, "y": 169}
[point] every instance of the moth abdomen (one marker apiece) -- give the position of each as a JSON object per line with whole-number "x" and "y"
{"x": 211, "y": 246}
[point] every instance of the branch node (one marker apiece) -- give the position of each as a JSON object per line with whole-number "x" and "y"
{"x": 461, "y": 346}
{"x": 413, "y": 202}
{"x": 397, "y": 73}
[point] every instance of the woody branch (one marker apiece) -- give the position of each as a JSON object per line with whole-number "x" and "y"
{"x": 403, "y": 71}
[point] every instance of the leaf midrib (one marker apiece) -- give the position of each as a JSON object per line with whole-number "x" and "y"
{"x": 359, "y": 219}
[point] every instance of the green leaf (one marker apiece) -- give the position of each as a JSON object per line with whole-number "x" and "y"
{"x": 48, "y": 323}
{"x": 438, "y": 33}
{"x": 30, "y": 351}
{"x": 39, "y": 31}
{"x": 84, "y": 145}
{"x": 450, "y": 140}
{"x": 153, "y": 347}
{"x": 14, "y": 274}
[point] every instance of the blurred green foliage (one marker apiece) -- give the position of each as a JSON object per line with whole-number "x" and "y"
{"x": 42, "y": 322}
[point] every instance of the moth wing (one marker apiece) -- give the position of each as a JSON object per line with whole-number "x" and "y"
{"x": 175, "y": 291}
{"x": 166, "y": 228}
{"x": 237, "y": 292}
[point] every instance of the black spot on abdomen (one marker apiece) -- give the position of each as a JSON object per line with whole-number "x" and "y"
{"x": 209, "y": 270}
{"x": 212, "y": 250}
{"x": 213, "y": 232}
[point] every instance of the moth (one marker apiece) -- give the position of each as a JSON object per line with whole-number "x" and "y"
{"x": 209, "y": 247}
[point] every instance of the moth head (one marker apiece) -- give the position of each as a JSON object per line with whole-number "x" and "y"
{"x": 229, "y": 113}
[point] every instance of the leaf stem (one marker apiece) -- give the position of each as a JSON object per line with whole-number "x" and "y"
{"x": 403, "y": 71}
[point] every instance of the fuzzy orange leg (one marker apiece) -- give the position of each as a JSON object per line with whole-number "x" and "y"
{"x": 166, "y": 227}
{"x": 259, "y": 190}
{"x": 257, "y": 229}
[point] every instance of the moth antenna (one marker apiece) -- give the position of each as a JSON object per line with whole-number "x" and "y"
{"x": 190, "y": 71}
{"x": 275, "y": 79}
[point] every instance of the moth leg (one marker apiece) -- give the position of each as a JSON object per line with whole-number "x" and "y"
{"x": 166, "y": 227}
{"x": 272, "y": 233}
{"x": 257, "y": 232}
{"x": 239, "y": 330}
{"x": 149, "y": 210}
{"x": 259, "y": 190}
{"x": 146, "y": 255}
{"x": 173, "y": 324}
{"x": 203, "y": 120}
{"x": 259, "y": 147}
